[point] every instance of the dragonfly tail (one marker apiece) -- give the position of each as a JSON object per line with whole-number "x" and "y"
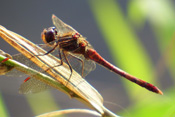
{"x": 93, "y": 55}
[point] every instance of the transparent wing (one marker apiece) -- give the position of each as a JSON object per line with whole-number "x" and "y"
{"x": 77, "y": 65}
{"x": 22, "y": 59}
{"x": 74, "y": 60}
{"x": 33, "y": 86}
{"x": 62, "y": 27}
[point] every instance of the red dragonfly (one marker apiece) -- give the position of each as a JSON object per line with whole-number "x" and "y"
{"x": 71, "y": 47}
{"x": 72, "y": 44}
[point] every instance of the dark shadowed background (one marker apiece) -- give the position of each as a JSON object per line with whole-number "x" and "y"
{"x": 29, "y": 18}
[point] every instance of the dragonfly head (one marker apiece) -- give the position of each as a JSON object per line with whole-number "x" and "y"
{"x": 49, "y": 35}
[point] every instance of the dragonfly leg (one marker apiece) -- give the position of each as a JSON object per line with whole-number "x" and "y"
{"x": 61, "y": 61}
{"x": 64, "y": 54}
{"x": 50, "y": 51}
{"x": 60, "y": 56}
{"x": 82, "y": 62}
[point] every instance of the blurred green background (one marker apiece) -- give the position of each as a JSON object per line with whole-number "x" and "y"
{"x": 138, "y": 36}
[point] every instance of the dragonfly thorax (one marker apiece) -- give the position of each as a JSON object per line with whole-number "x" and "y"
{"x": 77, "y": 45}
{"x": 69, "y": 45}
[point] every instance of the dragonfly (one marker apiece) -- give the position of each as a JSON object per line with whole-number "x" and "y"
{"x": 71, "y": 42}
{"x": 71, "y": 47}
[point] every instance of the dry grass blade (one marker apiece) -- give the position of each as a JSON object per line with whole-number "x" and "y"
{"x": 77, "y": 86}
{"x": 69, "y": 111}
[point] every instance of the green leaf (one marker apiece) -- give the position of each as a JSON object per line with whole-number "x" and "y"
{"x": 3, "y": 110}
{"x": 124, "y": 45}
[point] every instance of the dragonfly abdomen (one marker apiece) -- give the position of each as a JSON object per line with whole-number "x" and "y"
{"x": 93, "y": 55}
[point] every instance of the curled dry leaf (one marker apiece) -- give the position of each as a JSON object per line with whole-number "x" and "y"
{"x": 75, "y": 87}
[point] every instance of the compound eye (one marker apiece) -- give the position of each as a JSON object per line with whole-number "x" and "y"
{"x": 48, "y": 35}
